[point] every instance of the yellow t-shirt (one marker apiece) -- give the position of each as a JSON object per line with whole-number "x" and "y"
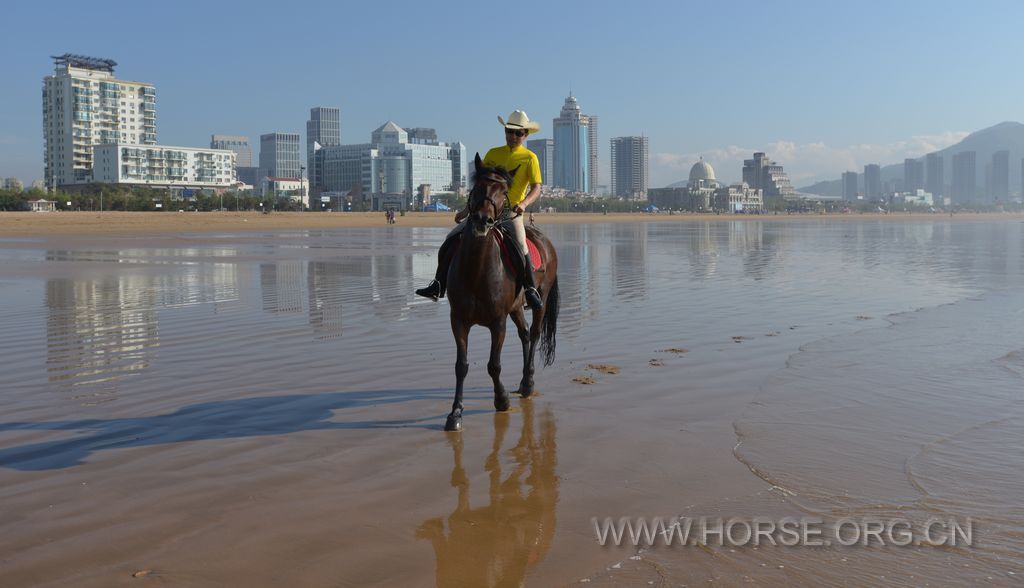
{"x": 527, "y": 174}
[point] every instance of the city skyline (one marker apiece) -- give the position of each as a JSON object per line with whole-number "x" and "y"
{"x": 806, "y": 124}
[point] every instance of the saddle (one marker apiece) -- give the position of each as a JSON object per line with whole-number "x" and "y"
{"x": 506, "y": 241}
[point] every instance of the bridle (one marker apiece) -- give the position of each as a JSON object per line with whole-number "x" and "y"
{"x": 480, "y": 196}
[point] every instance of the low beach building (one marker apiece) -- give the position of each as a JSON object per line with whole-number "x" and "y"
{"x": 704, "y": 193}
{"x": 162, "y": 166}
{"x": 42, "y": 205}
{"x": 295, "y": 189}
{"x": 389, "y": 169}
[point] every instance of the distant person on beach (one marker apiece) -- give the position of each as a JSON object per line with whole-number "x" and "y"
{"x": 524, "y": 191}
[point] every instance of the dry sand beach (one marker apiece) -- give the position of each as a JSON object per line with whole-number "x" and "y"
{"x": 209, "y": 399}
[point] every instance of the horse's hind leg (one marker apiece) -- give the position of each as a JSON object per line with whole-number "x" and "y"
{"x": 461, "y": 332}
{"x": 526, "y": 384}
{"x": 501, "y": 402}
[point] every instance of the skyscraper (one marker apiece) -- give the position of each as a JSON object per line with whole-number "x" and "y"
{"x": 872, "y": 181}
{"x": 936, "y": 180}
{"x": 849, "y": 186}
{"x": 84, "y": 105}
{"x": 965, "y": 172}
{"x": 1000, "y": 176}
{"x": 913, "y": 175}
{"x": 629, "y": 167}
{"x": 322, "y": 128}
{"x": 575, "y": 148}
{"x": 545, "y": 151}
{"x": 593, "y": 151}
{"x": 279, "y": 156}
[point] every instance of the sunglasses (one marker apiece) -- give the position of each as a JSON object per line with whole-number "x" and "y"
{"x": 520, "y": 133}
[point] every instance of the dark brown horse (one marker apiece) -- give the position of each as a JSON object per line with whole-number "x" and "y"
{"x": 483, "y": 291}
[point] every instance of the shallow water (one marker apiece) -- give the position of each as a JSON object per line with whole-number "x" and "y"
{"x": 283, "y": 394}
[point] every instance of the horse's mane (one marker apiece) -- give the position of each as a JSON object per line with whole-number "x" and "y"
{"x": 501, "y": 171}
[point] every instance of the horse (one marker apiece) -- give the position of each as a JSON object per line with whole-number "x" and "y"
{"x": 483, "y": 291}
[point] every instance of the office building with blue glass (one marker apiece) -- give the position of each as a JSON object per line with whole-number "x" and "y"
{"x": 575, "y": 152}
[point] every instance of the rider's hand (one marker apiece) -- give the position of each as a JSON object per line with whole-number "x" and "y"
{"x": 517, "y": 209}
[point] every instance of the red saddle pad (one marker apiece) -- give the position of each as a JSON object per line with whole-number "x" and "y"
{"x": 535, "y": 257}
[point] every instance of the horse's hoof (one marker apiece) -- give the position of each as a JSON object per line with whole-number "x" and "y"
{"x": 453, "y": 424}
{"x": 525, "y": 392}
{"x": 502, "y": 404}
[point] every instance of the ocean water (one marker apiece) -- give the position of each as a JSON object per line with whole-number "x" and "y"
{"x": 831, "y": 368}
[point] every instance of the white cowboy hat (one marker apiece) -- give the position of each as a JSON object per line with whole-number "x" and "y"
{"x": 519, "y": 120}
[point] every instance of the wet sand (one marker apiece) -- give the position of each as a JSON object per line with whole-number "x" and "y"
{"x": 22, "y": 224}
{"x": 264, "y": 407}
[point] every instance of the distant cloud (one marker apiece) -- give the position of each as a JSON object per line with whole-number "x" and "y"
{"x": 804, "y": 162}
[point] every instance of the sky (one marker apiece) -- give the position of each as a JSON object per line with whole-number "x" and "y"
{"x": 822, "y": 87}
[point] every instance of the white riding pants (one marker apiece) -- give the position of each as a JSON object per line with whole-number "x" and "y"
{"x": 518, "y": 228}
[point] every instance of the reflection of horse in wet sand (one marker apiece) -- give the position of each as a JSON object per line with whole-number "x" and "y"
{"x": 498, "y": 544}
{"x": 483, "y": 291}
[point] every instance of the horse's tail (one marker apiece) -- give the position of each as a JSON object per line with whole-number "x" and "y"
{"x": 549, "y": 325}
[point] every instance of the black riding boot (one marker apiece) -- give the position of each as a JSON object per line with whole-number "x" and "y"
{"x": 532, "y": 295}
{"x": 436, "y": 288}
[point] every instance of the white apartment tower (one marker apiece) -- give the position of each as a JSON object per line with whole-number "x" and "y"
{"x": 630, "y": 167}
{"x": 85, "y": 105}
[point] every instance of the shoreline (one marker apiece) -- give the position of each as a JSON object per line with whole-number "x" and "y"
{"x": 110, "y": 223}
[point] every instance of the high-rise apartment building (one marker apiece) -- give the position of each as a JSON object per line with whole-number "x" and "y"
{"x": 965, "y": 181}
{"x": 575, "y": 148}
{"x": 629, "y": 167}
{"x": 849, "y": 186}
{"x": 544, "y": 149}
{"x": 872, "y": 181}
{"x": 279, "y": 156}
{"x": 913, "y": 175}
{"x": 1000, "y": 182}
{"x": 85, "y": 105}
{"x": 324, "y": 129}
{"x": 935, "y": 181}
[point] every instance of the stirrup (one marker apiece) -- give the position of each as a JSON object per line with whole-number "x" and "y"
{"x": 432, "y": 291}
{"x": 533, "y": 299}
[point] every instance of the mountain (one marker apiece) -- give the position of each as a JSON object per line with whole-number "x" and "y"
{"x": 1005, "y": 135}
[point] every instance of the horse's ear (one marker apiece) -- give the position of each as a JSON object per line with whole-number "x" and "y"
{"x": 477, "y": 163}
{"x": 512, "y": 172}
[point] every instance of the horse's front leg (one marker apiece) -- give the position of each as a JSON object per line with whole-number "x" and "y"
{"x": 526, "y": 384}
{"x": 461, "y": 332}
{"x": 501, "y": 402}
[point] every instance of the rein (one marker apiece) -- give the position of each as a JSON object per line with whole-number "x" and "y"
{"x": 505, "y": 214}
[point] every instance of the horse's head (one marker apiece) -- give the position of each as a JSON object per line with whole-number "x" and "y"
{"x": 487, "y": 199}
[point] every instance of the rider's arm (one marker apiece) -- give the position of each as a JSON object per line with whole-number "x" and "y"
{"x": 531, "y": 197}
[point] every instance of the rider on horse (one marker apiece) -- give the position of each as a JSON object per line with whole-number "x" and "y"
{"x": 510, "y": 156}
